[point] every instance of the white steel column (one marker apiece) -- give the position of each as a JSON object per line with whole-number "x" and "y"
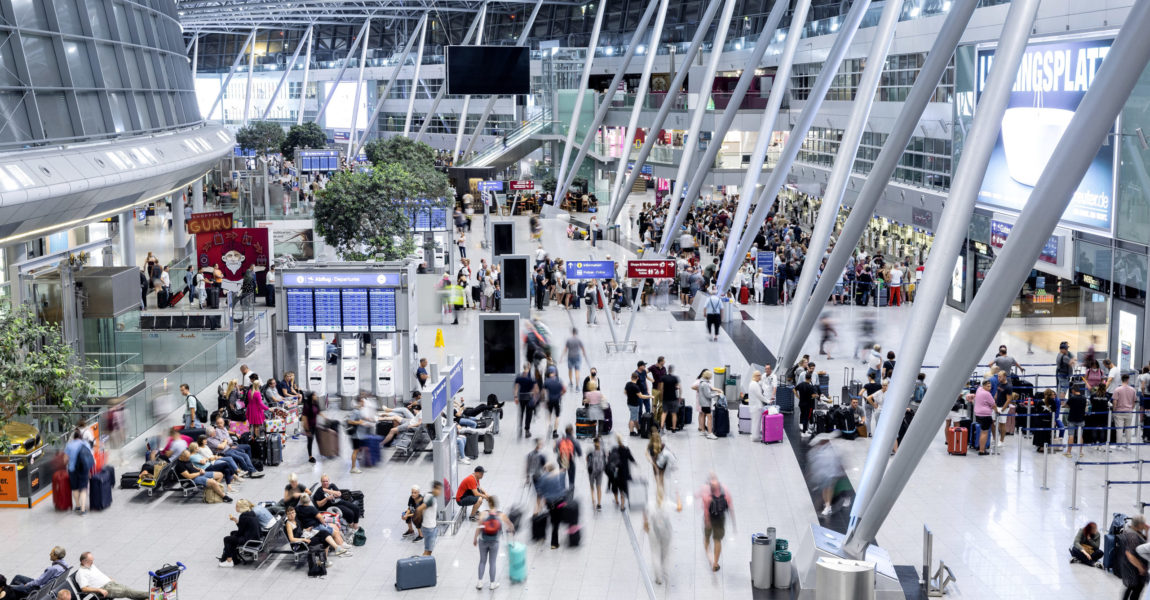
{"x": 290, "y": 67}
{"x": 420, "y": 27}
{"x": 443, "y": 88}
{"x": 690, "y": 141}
{"x": 665, "y": 108}
{"x": 1085, "y": 134}
{"x": 490, "y": 106}
{"x": 198, "y": 195}
{"x": 843, "y": 165}
{"x": 355, "y": 102}
{"x": 228, "y": 79}
{"x": 766, "y": 197}
{"x": 706, "y": 163}
{"x": 467, "y": 98}
{"x": 251, "y": 73}
{"x": 640, "y": 98}
{"x": 414, "y": 77}
{"x": 767, "y": 127}
{"x": 601, "y": 113}
{"x": 303, "y": 86}
{"x": 127, "y": 239}
{"x": 195, "y": 56}
{"x": 342, "y": 69}
{"x": 179, "y": 218}
{"x": 952, "y": 224}
{"x": 583, "y": 78}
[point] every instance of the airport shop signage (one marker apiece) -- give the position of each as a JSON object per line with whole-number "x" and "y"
{"x": 526, "y": 184}
{"x": 657, "y": 269}
{"x": 999, "y": 231}
{"x": 233, "y": 251}
{"x": 209, "y": 222}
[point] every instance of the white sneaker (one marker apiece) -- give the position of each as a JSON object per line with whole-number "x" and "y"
{"x": 225, "y": 564}
{"x": 356, "y": 471}
{"x": 479, "y": 584}
{"x": 826, "y": 510}
{"x": 711, "y": 436}
{"x": 494, "y": 584}
{"x": 465, "y": 460}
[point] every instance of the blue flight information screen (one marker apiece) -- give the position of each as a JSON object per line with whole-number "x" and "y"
{"x": 382, "y": 309}
{"x": 300, "y": 310}
{"x": 355, "y": 309}
{"x": 327, "y": 310}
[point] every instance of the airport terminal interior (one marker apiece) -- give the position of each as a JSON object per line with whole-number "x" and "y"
{"x": 565, "y": 299}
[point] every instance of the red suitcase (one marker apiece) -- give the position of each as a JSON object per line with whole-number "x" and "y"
{"x": 176, "y": 299}
{"x": 744, "y": 295}
{"x": 61, "y": 490}
{"x": 957, "y": 440}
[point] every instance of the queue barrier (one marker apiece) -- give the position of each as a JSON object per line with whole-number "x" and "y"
{"x": 1106, "y": 496}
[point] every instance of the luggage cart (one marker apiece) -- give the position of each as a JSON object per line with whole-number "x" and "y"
{"x": 165, "y": 582}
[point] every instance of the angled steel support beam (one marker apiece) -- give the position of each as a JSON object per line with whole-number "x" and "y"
{"x": 766, "y": 197}
{"x": 706, "y": 163}
{"x": 749, "y": 189}
{"x": 592, "y": 46}
{"x": 248, "y": 87}
{"x": 467, "y": 98}
{"x": 414, "y": 79}
{"x": 490, "y": 106}
{"x": 419, "y": 32}
{"x": 842, "y": 169}
{"x": 640, "y": 98}
{"x": 228, "y": 79}
{"x": 195, "y": 56}
{"x": 601, "y": 112}
{"x": 355, "y": 102}
{"x": 1087, "y": 131}
{"x": 443, "y": 88}
{"x": 665, "y": 108}
{"x": 290, "y": 67}
{"x": 342, "y": 69}
{"x": 303, "y": 86}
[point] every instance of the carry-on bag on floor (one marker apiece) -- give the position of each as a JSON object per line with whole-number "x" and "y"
{"x": 328, "y": 442}
{"x": 372, "y": 450}
{"x": 646, "y": 422}
{"x": 686, "y": 415}
{"x": 608, "y": 421}
{"x": 100, "y": 488}
{"x": 275, "y": 450}
{"x": 772, "y": 428}
{"x": 175, "y": 299}
{"x": 488, "y": 442}
{"x": 539, "y": 527}
{"x": 744, "y": 295}
{"x": 584, "y": 426}
{"x": 956, "y": 442}
{"x": 722, "y": 421}
{"x": 61, "y": 490}
{"x": 785, "y": 398}
{"x": 471, "y": 446}
{"x": 415, "y": 572}
{"x": 744, "y": 419}
{"x": 130, "y": 480}
{"x": 517, "y": 562}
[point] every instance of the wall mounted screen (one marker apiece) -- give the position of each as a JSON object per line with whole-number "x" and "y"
{"x": 488, "y": 70}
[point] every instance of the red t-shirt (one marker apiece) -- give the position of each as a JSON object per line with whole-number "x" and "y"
{"x": 469, "y": 483}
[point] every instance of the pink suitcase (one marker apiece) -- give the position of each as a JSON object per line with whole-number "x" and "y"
{"x": 772, "y": 428}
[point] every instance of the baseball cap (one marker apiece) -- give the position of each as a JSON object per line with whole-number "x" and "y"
{"x": 480, "y": 469}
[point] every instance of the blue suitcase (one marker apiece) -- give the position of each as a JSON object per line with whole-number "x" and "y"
{"x": 785, "y": 398}
{"x": 100, "y": 488}
{"x": 372, "y": 446}
{"x": 415, "y": 572}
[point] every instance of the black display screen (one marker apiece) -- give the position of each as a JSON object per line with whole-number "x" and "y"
{"x": 503, "y": 242}
{"x": 514, "y": 278}
{"x": 499, "y": 347}
{"x": 488, "y": 70}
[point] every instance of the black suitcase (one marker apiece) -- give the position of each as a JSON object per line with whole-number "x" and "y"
{"x": 274, "y": 451}
{"x": 686, "y": 415}
{"x": 771, "y": 296}
{"x": 130, "y": 480}
{"x": 722, "y": 421}
{"x": 539, "y": 527}
{"x": 213, "y": 297}
{"x": 785, "y": 398}
{"x": 471, "y": 446}
{"x": 100, "y": 488}
{"x": 163, "y": 298}
{"x": 646, "y": 422}
{"x": 488, "y": 443}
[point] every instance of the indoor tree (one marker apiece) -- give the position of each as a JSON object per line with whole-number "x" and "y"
{"x": 261, "y": 136}
{"x": 307, "y": 135}
{"x": 362, "y": 215}
{"x": 37, "y": 367}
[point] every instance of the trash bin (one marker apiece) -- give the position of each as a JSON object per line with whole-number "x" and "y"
{"x": 781, "y": 544}
{"x": 782, "y": 571}
{"x": 761, "y": 561}
{"x": 841, "y": 579}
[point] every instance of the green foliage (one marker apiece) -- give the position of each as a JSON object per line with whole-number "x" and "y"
{"x": 361, "y": 214}
{"x": 542, "y": 171}
{"x": 549, "y": 183}
{"x": 416, "y": 158}
{"x": 261, "y": 136}
{"x": 36, "y": 366}
{"x": 307, "y": 135}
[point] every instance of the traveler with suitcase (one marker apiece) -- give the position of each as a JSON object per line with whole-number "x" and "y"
{"x": 984, "y": 414}
{"x": 80, "y": 464}
{"x": 672, "y": 394}
{"x": 486, "y": 538}
{"x": 705, "y": 395}
{"x": 310, "y": 414}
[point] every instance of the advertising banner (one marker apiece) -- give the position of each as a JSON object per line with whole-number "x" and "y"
{"x": 209, "y": 222}
{"x": 658, "y": 269}
{"x": 999, "y": 231}
{"x": 1051, "y": 82}
{"x": 233, "y": 251}
{"x": 590, "y": 269}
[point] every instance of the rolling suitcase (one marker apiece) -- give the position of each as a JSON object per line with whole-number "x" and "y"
{"x": 744, "y": 419}
{"x": 744, "y": 295}
{"x": 213, "y": 297}
{"x": 722, "y": 425}
{"x": 415, "y": 572}
{"x": 539, "y": 527}
{"x": 471, "y": 446}
{"x": 772, "y": 428}
{"x": 175, "y": 299}
{"x": 163, "y": 298}
{"x": 686, "y": 415}
{"x": 608, "y": 421}
{"x": 274, "y": 450}
{"x": 373, "y": 444}
{"x": 785, "y": 398}
{"x": 956, "y": 442}
{"x": 517, "y": 562}
{"x": 130, "y": 480}
{"x": 771, "y": 296}
{"x": 584, "y": 427}
{"x": 646, "y": 422}
{"x": 488, "y": 443}
{"x": 61, "y": 490}
{"x": 328, "y": 442}
{"x": 100, "y": 488}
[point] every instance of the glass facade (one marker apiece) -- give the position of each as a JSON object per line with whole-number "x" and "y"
{"x": 925, "y": 163}
{"x": 894, "y": 84}
{"x": 74, "y": 70}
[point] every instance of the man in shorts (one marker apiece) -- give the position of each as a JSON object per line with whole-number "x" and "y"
{"x": 670, "y": 394}
{"x": 554, "y": 389}
{"x": 715, "y": 499}
{"x": 470, "y": 494}
{"x": 575, "y": 353}
{"x": 425, "y": 512}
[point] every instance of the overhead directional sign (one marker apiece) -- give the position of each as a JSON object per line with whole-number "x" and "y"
{"x": 658, "y": 269}
{"x": 590, "y": 269}
{"x": 766, "y": 262}
{"x": 490, "y": 186}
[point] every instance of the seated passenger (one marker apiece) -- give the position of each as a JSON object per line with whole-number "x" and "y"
{"x": 25, "y": 587}
{"x": 293, "y": 491}
{"x": 414, "y": 521}
{"x": 288, "y": 389}
{"x": 310, "y": 518}
{"x": 329, "y": 495}
{"x": 271, "y": 393}
{"x": 175, "y": 444}
{"x": 186, "y": 470}
{"x": 1087, "y": 548}
{"x": 220, "y": 442}
{"x": 264, "y": 515}
{"x": 93, "y": 581}
{"x": 296, "y": 534}
{"x": 247, "y": 528}
{"x": 404, "y": 420}
{"x": 470, "y": 494}
{"x": 208, "y": 463}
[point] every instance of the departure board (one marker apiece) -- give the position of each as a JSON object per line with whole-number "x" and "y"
{"x": 382, "y": 304}
{"x": 327, "y": 310}
{"x": 300, "y": 310}
{"x": 354, "y": 309}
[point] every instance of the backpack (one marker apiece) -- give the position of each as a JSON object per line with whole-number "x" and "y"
{"x": 919, "y": 392}
{"x": 718, "y": 506}
{"x": 201, "y": 412}
{"x": 316, "y": 565}
{"x": 492, "y": 524}
{"x": 566, "y": 451}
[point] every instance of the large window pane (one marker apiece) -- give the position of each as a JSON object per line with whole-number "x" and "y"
{"x": 1133, "y": 214}
{"x": 8, "y": 71}
{"x": 132, "y": 77}
{"x": 1093, "y": 259}
{"x": 122, "y": 22}
{"x": 14, "y": 117}
{"x": 30, "y": 14}
{"x": 54, "y": 116}
{"x": 98, "y": 13}
{"x": 68, "y": 16}
{"x": 79, "y": 65}
{"x": 90, "y": 113}
{"x": 121, "y": 120}
{"x": 109, "y": 66}
{"x": 142, "y": 109}
{"x": 41, "y": 58}
{"x": 1129, "y": 274}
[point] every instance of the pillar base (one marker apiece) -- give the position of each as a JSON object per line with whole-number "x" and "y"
{"x": 821, "y": 542}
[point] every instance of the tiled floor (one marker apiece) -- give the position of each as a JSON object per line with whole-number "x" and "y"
{"x": 1002, "y": 535}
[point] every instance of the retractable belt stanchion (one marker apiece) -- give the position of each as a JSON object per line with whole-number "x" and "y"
{"x": 1138, "y": 500}
{"x": 1045, "y": 464}
{"x": 1074, "y": 488}
{"x": 1018, "y": 466}
{"x": 1105, "y": 502}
